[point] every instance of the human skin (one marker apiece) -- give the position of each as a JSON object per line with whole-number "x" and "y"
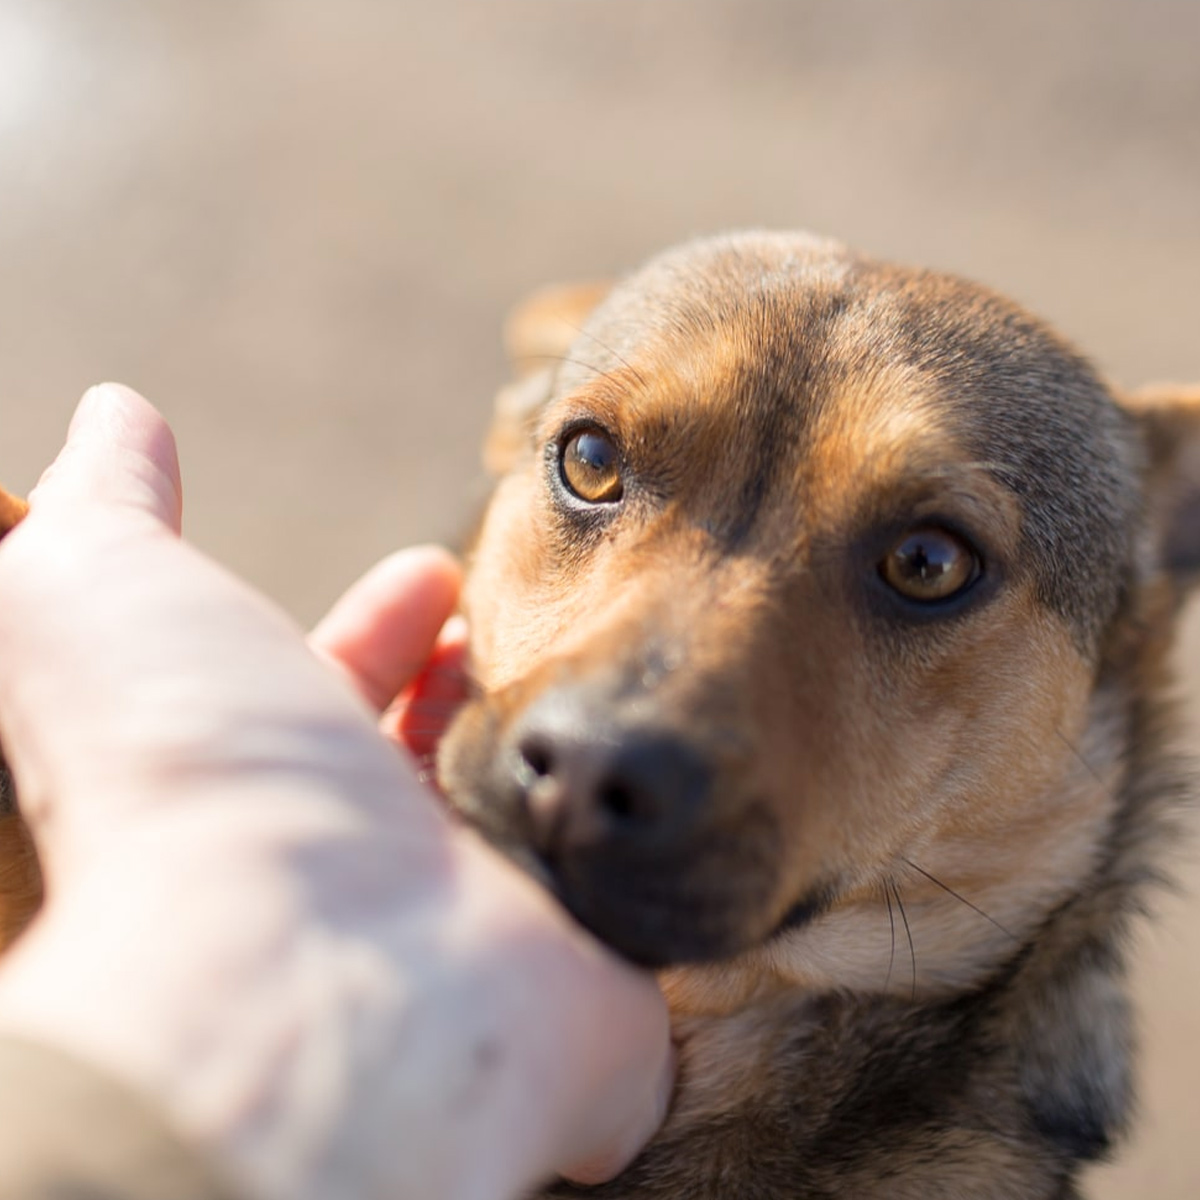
{"x": 256, "y": 916}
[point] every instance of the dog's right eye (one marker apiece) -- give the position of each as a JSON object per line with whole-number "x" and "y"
{"x": 929, "y": 565}
{"x": 591, "y": 468}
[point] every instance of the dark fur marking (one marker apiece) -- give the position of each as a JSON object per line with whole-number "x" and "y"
{"x": 806, "y": 909}
{"x": 1038, "y": 399}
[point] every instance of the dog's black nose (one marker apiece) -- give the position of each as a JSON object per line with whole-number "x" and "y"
{"x": 589, "y": 781}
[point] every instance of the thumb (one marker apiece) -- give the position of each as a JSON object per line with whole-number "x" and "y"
{"x": 639, "y": 1122}
{"x": 120, "y": 453}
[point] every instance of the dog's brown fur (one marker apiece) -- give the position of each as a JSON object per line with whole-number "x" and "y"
{"x": 20, "y": 879}
{"x": 884, "y": 853}
{"x": 890, "y": 900}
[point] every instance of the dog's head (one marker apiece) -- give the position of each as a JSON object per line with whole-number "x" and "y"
{"x": 793, "y": 612}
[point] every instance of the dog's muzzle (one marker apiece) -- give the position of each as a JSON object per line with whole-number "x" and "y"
{"x": 618, "y": 814}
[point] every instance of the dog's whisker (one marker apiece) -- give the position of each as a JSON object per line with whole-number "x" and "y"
{"x": 912, "y": 950}
{"x": 563, "y": 358}
{"x": 961, "y": 898}
{"x": 892, "y": 933}
{"x": 1083, "y": 762}
{"x": 605, "y": 346}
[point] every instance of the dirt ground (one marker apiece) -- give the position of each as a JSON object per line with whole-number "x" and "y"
{"x": 297, "y": 225}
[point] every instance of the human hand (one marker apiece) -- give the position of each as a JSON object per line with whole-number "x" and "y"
{"x": 255, "y": 916}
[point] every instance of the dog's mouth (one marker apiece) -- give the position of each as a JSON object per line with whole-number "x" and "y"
{"x": 653, "y": 914}
{"x": 699, "y": 902}
{"x": 658, "y": 914}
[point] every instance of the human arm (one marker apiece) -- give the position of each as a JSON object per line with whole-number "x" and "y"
{"x": 256, "y": 918}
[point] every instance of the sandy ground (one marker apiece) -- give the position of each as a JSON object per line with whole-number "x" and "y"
{"x": 297, "y": 225}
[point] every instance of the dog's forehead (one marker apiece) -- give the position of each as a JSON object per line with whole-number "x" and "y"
{"x": 769, "y": 341}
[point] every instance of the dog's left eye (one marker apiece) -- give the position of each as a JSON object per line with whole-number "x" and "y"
{"x": 591, "y": 468}
{"x": 930, "y": 564}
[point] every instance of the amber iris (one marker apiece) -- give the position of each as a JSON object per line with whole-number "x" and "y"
{"x": 930, "y": 564}
{"x": 591, "y": 469}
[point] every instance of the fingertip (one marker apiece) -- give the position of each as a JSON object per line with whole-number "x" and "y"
{"x": 432, "y": 563}
{"x": 426, "y": 708}
{"x": 119, "y": 450}
{"x": 455, "y": 633}
{"x": 114, "y": 412}
{"x": 113, "y": 402}
{"x": 643, "y": 1123}
{"x": 383, "y": 630}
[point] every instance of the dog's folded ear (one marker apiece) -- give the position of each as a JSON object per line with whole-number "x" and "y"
{"x": 1170, "y": 419}
{"x": 11, "y": 511}
{"x": 537, "y": 336}
{"x": 540, "y": 330}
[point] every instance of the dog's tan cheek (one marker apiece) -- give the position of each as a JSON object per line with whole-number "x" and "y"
{"x": 538, "y": 591}
{"x": 1021, "y": 819}
{"x": 975, "y": 770}
{"x": 1024, "y": 693}
{"x": 989, "y": 746}
{"x": 985, "y": 732}
{"x": 514, "y": 598}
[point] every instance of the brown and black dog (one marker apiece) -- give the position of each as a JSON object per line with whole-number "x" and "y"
{"x": 818, "y": 632}
{"x": 819, "y": 622}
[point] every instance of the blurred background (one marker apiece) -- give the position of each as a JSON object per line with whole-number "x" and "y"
{"x": 296, "y": 225}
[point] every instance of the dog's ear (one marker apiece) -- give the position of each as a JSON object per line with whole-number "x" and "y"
{"x": 1170, "y": 419}
{"x": 537, "y": 336}
{"x": 11, "y": 511}
{"x": 540, "y": 330}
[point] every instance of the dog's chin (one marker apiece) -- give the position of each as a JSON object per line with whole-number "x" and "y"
{"x": 653, "y": 936}
{"x": 649, "y": 918}
{"x": 673, "y": 933}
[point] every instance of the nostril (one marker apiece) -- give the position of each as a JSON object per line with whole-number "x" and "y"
{"x": 537, "y": 756}
{"x": 617, "y": 799}
{"x": 581, "y": 783}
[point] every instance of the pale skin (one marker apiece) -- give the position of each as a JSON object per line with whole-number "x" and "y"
{"x": 256, "y": 916}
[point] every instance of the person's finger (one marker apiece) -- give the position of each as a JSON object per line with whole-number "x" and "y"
{"x": 423, "y": 710}
{"x": 640, "y": 1122}
{"x": 381, "y": 632}
{"x": 119, "y": 452}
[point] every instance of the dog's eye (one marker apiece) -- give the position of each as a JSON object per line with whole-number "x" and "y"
{"x": 591, "y": 469}
{"x": 930, "y": 564}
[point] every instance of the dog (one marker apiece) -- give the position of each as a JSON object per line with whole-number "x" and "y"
{"x": 819, "y": 624}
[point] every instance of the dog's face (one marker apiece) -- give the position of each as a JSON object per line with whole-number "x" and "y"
{"x": 791, "y": 617}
